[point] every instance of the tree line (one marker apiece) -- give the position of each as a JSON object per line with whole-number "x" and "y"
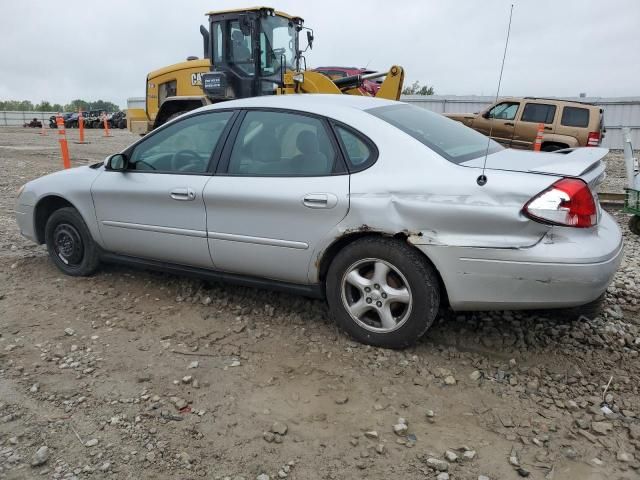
{"x": 44, "y": 106}
{"x": 416, "y": 89}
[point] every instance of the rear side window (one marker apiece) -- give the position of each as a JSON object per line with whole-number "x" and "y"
{"x": 282, "y": 144}
{"x": 575, "y": 117}
{"x": 359, "y": 153}
{"x": 538, "y": 113}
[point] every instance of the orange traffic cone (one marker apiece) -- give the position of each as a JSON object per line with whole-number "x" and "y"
{"x": 538, "y": 143}
{"x": 105, "y": 122}
{"x": 62, "y": 138}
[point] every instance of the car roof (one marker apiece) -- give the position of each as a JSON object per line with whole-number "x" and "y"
{"x": 551, "y": 100}
{"x": 323, "y": 104}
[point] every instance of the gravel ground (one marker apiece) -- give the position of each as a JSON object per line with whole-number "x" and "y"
{"x": 616, "y": 179}
{"x": 131, "y": 374}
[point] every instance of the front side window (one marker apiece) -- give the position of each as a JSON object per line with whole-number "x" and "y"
{"x": 575, "y": 117}
{"x": 449, "y": 139}
{"x": 282, "y": 144}
{"x": 538, "y": 113}
{"x": 276, "y": 44}
{"x": 183, "y": 147}
{"x": 504, "y": 111}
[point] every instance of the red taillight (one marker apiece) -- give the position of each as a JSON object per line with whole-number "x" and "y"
{"x": 594, "y": 139}
{"x": 568, "y": 202}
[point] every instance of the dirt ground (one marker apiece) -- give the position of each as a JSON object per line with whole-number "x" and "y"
{"x": 132, "y": 374}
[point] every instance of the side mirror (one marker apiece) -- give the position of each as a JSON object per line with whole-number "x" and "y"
{"x": 310, "y": 39}
{"x": 117, "y": 163}
{"x": 485, "y": 114}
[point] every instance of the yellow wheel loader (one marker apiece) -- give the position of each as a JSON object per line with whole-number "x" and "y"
{"x": 247, "y": 52}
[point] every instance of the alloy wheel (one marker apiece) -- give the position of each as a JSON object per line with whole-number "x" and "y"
{"x": 376, "y": 295}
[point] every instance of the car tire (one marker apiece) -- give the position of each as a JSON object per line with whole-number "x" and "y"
{"x": 552, "y": 147}
{"x": 69, "y": 243}
{"x": 634, "y": 224}
{"x": 384, "y": 270}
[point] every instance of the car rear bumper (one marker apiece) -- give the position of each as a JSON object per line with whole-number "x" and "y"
{"x": 24, "y": 218}
{"x": 568, "y": 267}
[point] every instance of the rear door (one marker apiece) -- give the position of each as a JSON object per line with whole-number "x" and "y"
{"x": 575, "y": 121}
{"x": 155, "y": 209}
{"x": 533, "y": 114}
{"x": 499, "y": 122}
{"x": 280, "y": 189}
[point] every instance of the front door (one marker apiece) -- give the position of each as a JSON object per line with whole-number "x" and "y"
{"x": 527, "y": 124}
{"x": 155, "y": 209}
{"x": 281, "y": 189}
{"x": 499, "y": 122}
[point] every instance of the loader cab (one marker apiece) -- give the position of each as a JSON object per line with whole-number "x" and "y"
{"x": 250, "y": 50}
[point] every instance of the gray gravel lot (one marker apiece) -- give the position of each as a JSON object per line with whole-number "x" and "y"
{"x": 132, "y": 374}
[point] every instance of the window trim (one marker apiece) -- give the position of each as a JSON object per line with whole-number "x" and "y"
{"x": 373, "y": 148}
{"x": 213, "y": 158}
{"x": 553, "y": 118}
{"x": 222, "y": 169}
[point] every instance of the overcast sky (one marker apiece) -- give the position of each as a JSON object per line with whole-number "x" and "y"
{"x": 61, "y": 50}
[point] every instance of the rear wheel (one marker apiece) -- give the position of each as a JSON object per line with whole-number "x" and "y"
{"x": 552, "y": 147}
{"x": 382, "y": 292}
{"x": 634, "y": 224}
{"x": 70, "y": 244}
{"x": 174, "y": 115}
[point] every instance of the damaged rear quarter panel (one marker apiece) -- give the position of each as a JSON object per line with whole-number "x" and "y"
{"x": 438, "y": 202}
{"x": 414, "y": 191}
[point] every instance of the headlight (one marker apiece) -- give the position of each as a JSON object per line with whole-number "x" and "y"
{"x": 21, "y": 189}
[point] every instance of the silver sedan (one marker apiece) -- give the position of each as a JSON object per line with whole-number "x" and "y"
{"x": 382, "y": 208}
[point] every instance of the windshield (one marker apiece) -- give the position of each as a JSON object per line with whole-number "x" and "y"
{"x": 448, "y": 138}
{"x": 277, "y": 46}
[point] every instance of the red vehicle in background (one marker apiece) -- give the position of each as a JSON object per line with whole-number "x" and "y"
{"x": 370, "y": 87}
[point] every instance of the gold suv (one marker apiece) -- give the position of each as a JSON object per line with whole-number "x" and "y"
{"x": 515, "y": 123}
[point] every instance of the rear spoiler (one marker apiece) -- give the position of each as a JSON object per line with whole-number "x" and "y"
{"x": 582, "y": 162}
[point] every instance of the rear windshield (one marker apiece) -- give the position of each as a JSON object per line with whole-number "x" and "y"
{"x": 448, "y": 138}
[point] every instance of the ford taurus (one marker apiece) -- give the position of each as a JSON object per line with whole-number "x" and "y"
{"x": 382, "y": 208}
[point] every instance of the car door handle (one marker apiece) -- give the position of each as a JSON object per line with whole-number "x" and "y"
{"x": 320, "y": 200}
{"x": 184, "y": 194}
{"x": 509, "y": 124}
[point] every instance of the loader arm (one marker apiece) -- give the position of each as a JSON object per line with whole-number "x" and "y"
{"x": 316, "y": 82}
{"x": 391, "y": 87}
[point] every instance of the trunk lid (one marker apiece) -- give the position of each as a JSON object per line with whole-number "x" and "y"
{"x": 584, "y": 163}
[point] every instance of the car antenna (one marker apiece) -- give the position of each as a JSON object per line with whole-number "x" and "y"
{"x": 482, "y": 179}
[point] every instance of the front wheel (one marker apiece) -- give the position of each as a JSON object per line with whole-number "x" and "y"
{"x": 382, "y": 292}
{"x": 70, "y": 244}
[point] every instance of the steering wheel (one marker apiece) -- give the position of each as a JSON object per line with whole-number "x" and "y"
{"x": 194, "y": 161}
